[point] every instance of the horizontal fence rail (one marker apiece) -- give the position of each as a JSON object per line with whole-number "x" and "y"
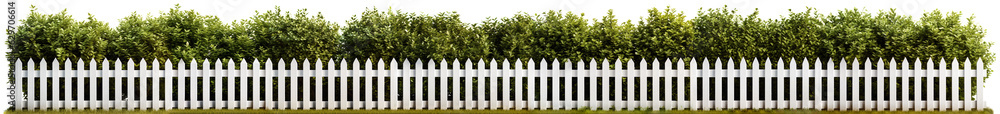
{"x": 531, "y": 84}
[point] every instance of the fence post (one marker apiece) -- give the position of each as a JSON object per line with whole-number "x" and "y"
{"x": 703, "y": 74}
{"x": 656, "y": 73}
{"x": 880, "y": 86}
{"x": 629, "y": 78}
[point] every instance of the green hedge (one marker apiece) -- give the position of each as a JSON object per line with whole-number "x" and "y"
{"x": 664, "y": 33}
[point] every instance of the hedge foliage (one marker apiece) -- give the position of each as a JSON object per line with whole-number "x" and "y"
{"x": 714, "y": 32}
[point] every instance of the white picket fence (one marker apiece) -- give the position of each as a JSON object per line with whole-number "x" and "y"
{"x": 468, "y": 85}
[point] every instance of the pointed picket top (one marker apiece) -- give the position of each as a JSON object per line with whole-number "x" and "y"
{"x": 243, "y": 64}
{"x": 605, "y": 63}
{"x": 443, "y": 64}
{"x": 80, "y": 63}
{"x": 281, "y": 64}
{"x": 979, "y": 64}
{"x": 880, "y": 64}
{"x": 517, "y": 64}
{"x": 218, "y": 64}
{"x": 543, "y": 65}
{"x": 781, "y": 63}
{"x": 481, "y": 64}
{"x": 130, "y": 65}
{"x": 756, "y": 64}
{"x": 818, "y": 64}
{"x": 868, "y": 64}
{"x": 431, "y": 64}
{"x": 618, "y": 64}
{"x": 555, "y": 64}
{"x": 843, "y": 64}
{"x": 693, "y": 63}
{"x": 31, "y": 64}
{"x": 743, "y": 63}
{"x": 642, "y": 64}
{"x": 305, "y": 64}
{"x": 142, "y": 64}
{"x": 493, "y": 63}
{"x": 630, "y": 64}
{"x": 929, "y": 64}
{"x": 767, "y": 63}
{"x": 392, "y": 64}
{"x": 730, "y": 64}
{"x": 580, "y": 65}
{"x": 156, "y": 64}
{"x": 318, "y": 65}
{"x": 954, "y": 63}
{"x": 231, "y": 64}
{"x": 593, "y": 64}
{"x": 406, "y": 64}
{"x": 506, "y": 65}
{"x": 718, "y": 63}
{"x": 805, "y": 63}
{"x": 68, "y": 65}
{"x": 704, "y": 64}
{"x": 17, "y": 64}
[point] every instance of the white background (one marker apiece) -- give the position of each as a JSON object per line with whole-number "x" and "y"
{"x": 474, "y": 11}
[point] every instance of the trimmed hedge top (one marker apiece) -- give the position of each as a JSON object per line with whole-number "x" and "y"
{"x": 664, "y": 33}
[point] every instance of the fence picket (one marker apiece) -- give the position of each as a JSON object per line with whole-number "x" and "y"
{"x": 893, "y": 73}
{"x": 844, "y": 74}
{"x": 781, "y": 74}
{"x": 906, "y": 73}
{"x": 406, "y": 74}
{"x": 980, "y": 84}
{"x": 954, "y": 102}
